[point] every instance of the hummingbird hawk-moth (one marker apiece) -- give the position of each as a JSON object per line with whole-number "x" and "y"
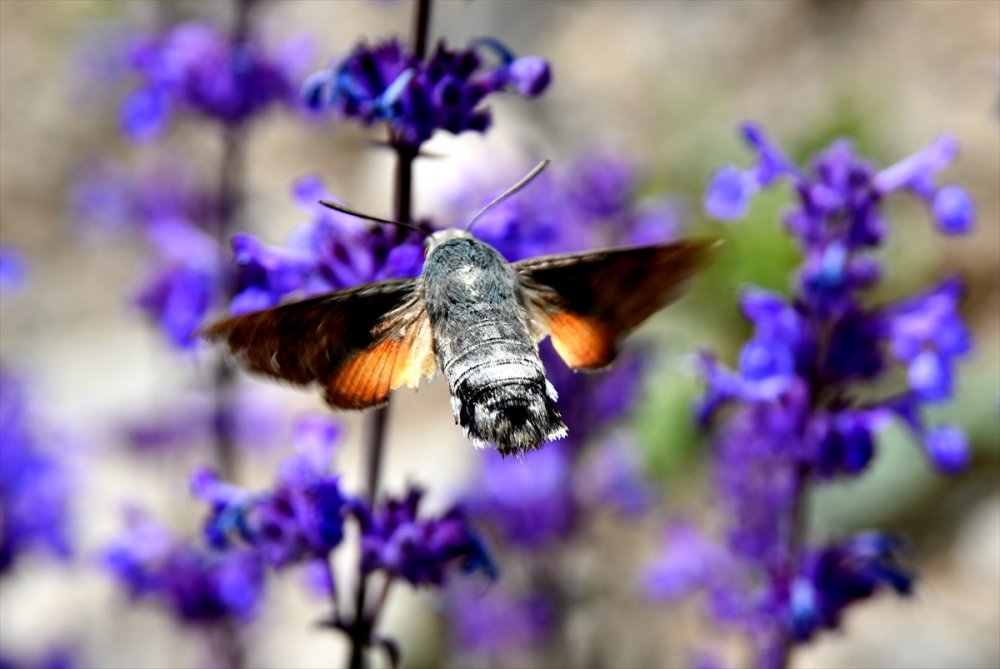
{"x": 473, "y": 316}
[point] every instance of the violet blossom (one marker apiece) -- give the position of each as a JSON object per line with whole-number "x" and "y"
{"x": 194, "y": 583}
{"x": 386, "y": 83}
{"x": 791, "y": 416}
{"x": 35, "y": 484}
{"x": 329, "y": 252}
{"x": 194, "y": 66}
{"x": 394, "y": 539}
{"x": 299, "y": 521}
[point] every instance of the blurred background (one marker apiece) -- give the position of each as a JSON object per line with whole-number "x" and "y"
{"x": 662, "y": 85}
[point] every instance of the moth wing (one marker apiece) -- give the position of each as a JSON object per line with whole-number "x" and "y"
{"x": 358, "y": 344}
{"x": 588, "y": 302}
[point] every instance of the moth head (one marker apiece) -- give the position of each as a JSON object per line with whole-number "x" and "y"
{"x": 441, "y": 236}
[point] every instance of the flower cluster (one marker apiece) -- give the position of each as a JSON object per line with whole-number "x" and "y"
{"x": 797, "y": 410}
{"x": 56, "y": 658}
{"x": 395, "y": 540}
{"x": 493, "y": 622}
{"x": 194, "y": 66}
{"x": 329, "y": 252}
{"x": 386, "y": 83}
{"x": 34, "y": 483}
{"x": 162, "y": 205}
{"x": 195, "y": 584}
{"x": 593, "y": 204}
{"x": 301, "y": 520}
{"x": 13, "y": 269}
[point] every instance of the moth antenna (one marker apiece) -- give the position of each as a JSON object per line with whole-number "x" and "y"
{"x": 527, "y": 179}
{"x": 368, "y": 217}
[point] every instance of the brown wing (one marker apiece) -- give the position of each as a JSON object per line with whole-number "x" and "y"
{"x": 588, "y": 302}
{"x": 358, "y": 343}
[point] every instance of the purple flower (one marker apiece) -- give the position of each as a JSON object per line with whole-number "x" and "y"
{"x": 590, "y": 402}
{"x": 56, "y": 658}
{"x": 265, "y": 274}
{"x": 419, "y": 550}
{"x": 928, "y": 321}
{"x": 834, "y": 577}
{"x": 595, "y": 204}
{"x": 13, "y": 270}
{"x": 112, "y": 198}
{"x": 797, "y": 412}
{"x": 164, "y": 205}
{"x": 330, "y": 252}
{"x": 528, "y": 502}
{"x": 300, "y": 520}
{"x": 250, "y": 415}
{"x": 613, "y": 476}
{"x": 728, "y": 195}
{"x": 177, "y": 298}
{"x": 948, "y": 450}
{"x": 196, "y": 585}
{"x": 954, "y": 210}
{"x": 193, "y": 66}
{"x": 689, "y": 561}
{"x": 385, "y": 83}
{"x": 493, "y": 621}
{"x": 34, "y": 484}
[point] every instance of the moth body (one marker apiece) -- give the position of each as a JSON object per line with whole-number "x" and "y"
{"x": 484, "y": 344}
{"x": 476, "y": 318}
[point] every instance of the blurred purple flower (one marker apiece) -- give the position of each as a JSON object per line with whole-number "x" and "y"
{"x": 386, "y": 83}
{"x": 177, "y": 298}
{"x": 109, "y": 197}
{"x": 595, "y": 204}
{"x": 529, "y": 501}
{"x": 194, "y": 66}
{"x": 330, "y": 252}
{"x": 419, "y": 550}
{"x": 164, "y": 205}
{"x": 57, "y": 658}
{"x": 834, "y": 577}
{"x": 34, "y": 484}
{"x": 492, "y": 622}
{"x": 300, "y": 520}
{"x": 13, "y": 269}
{"x": 253, "y": 418}
{"x": 689, "y": 561}
{"x": 195, "y": 584}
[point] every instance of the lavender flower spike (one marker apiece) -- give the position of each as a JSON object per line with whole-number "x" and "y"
{"x": 796, "y": 415}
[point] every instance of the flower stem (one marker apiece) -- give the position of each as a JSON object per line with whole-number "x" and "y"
{"x": 780, "y": 656}
{"x": 378, "y": 419}
{"x": 230, "y": 197}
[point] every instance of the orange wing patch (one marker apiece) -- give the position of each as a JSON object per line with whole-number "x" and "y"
{"x": 367, "y": 377}
{"x": 583, "y": 343}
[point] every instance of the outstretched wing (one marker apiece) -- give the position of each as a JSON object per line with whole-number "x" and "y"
{"x": 358, "y": 344}
{"x": 588, "y": 302}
